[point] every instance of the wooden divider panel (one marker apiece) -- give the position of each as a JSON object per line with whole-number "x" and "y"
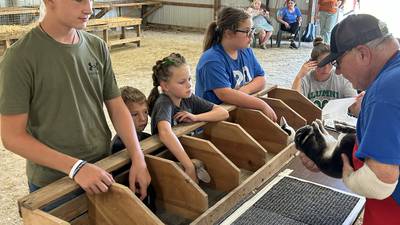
{"x": 298, "y": 103}
{"x": 262, "y": 129}
{"x": 39, "y": 217}
{"x": 119, "y": 206}
{"x": 234, "y": 142}
{"x": 224, "y": 174}
{"x": 71, "y": 209}
{"x": 294, "y": 119}
{"x": 175, "y": 190}
{"x": 219, "y": 210}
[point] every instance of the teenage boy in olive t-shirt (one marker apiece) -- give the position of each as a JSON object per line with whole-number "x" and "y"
{"x": 53, "y": 84}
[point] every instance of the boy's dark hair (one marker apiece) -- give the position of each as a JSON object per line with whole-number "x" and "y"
{"x": 161, "y": 72}
{"x": 131, "y": 94}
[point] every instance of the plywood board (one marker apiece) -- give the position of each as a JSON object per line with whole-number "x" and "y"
{"x": 262, "y": 129}
{"x": 175, "y": 190}
{"x": 71, "y": 209}
{"x": 235, "y": 143}
{"x": 119, "y": 206}
{"x": 224, "y": 174}
{"x": 217, "y": 211}
{"x": 298, "y": 103}
{"x": 39, "y": 217}
{"x": 294, "y": 119}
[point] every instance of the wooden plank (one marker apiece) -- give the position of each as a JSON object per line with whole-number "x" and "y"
{"x": 7, "y": 44}
{"x": 225, "y": 176}
{"x": 217, "y": 211}
{"x": 176, "y": 191}
{"x": 102, "y": 12}
{"x": 262, "y": 129}
{"x": 138, "y": 32}
{"x": 294, "y": 119}
{"x": 97, "y": 5}
{"x": 136, "y": 4}
{"x": 146, "y": 13}
{"x": 298, "y": 103}
{"x": 105, "y": 36}
{"x": 119, "y": 206}
{"x": 123, "y": 41}
{"x": 234, "y": 142}
{"x": 39, "y": 217}
{"x": 61, "y": 187}
{"x": 81, "y": 220}
{"x": 185, "y": 4}
{"x": 71, "y": 209}
{"x": 217, "y": 6}
{"x": 18, "y": 10}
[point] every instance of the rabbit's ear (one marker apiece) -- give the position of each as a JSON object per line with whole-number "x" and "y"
{"x": 203, "y": 175}
{"x": 283, "y": 121}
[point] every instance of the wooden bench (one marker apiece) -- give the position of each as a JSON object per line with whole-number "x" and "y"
{"x": 18, "y": 10}
{"x": 11, "y": 33}
{"x": 146, "y": 7}
{"x": 106, "y": 24}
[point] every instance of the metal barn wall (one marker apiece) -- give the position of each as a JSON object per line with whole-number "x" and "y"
{"x": 200, "y": 17}
{"x": 11, "y": 3}
{"x": 195, "y": 17}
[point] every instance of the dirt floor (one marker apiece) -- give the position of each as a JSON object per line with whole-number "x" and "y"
{"x": 132, "y": 66}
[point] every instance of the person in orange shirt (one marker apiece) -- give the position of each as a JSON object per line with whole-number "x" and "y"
{"x": 326, "y": 12}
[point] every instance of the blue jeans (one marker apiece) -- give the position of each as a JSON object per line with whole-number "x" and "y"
{"x": 326, "y": 22}
{"x": 58, "y": 202}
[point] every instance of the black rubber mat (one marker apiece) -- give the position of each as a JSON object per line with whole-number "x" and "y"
{"x": 292, "y": 201}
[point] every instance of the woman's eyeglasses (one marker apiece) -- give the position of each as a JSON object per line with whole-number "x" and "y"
{"x": 249, "y": 33}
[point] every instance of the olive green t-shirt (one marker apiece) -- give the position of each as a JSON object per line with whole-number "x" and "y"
{"x": 62, "y": 88}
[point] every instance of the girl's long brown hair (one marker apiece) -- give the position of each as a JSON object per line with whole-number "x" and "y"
{"x": 228, "y": 19}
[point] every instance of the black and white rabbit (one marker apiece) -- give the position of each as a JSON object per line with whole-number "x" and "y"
{"x": 323, "y": 149}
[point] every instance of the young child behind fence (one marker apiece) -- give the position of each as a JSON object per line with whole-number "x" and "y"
{"x": 136, "y": 103}
{"x": 175, "y": 104}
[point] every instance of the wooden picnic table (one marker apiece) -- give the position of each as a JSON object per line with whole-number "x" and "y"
{"x": 18, "y": 10}
{"x": 106, "y": 7}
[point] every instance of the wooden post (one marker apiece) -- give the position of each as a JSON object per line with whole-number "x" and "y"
{"x": 217, "y": 6}
{"x": 105, "y": 36}
{"x": 123, "y": 33}
{"x": 311, "y": 10}
{"x": 138, "y": 31}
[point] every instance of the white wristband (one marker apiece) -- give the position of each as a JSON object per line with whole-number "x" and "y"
{"x": 72, "y": 171}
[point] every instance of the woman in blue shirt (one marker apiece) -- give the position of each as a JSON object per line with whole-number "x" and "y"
{"x": 290, "y": 19}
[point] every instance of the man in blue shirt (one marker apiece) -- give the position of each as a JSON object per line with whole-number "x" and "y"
{"x": 370, "y": 59}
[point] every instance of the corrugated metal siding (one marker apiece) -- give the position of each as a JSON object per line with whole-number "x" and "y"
{"x": 10, "y": 3}
{"x": 201, "y": 17}
{"x": 184, "y": 16}
{"x": 236, "y": 3}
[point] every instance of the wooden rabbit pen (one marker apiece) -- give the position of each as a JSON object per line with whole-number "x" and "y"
{"x": 240, "y": 155}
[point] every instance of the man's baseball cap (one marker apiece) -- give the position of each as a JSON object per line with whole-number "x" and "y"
{"x": 353, "y": 31}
